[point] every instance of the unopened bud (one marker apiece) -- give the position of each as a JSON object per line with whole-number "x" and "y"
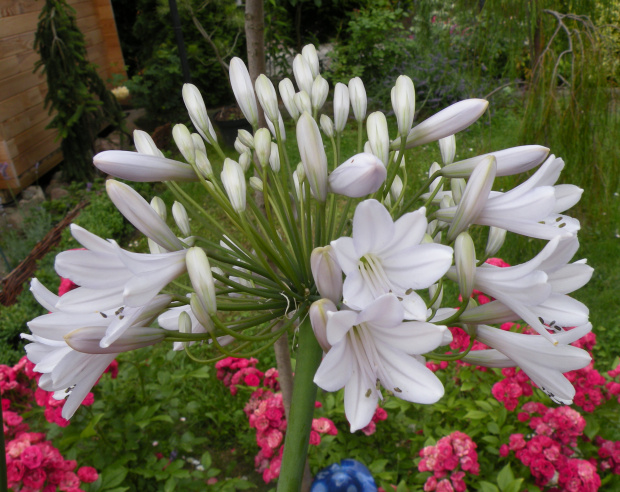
{"x": 378, "y": 136}
{"x": 318, "y": 318}
{"x": 245, "y": 161}
{"x": 359, "y": 176}
{"x": 303, "y": 74}
{"x": 447, "y": 147}
{"x": 198, "y": 112}
{"x": 199, "y": 143}
{"x": 320, "y": 88}
{"x": 145, "y": 144}
{"x": 267, "y": 97}
{"x": 244, "y": 91}
{"x": 262, "y": 145}
{"x": 495, "y": 241}
{"x": 201, "y": 278}
{"x": 312, "y": 59}
{"x": 159, "y": 206}
{"x": 256, "y": 183}
{"x": 327, "y": 126}
{"x": 303, "y": 103}
{"x": 246, "y": 138}
{"x": 359, "y": 102}
{"x": 234, "y": 184}
{"x": 203, "y": 164}
{"x": 183, "y": 140}
{"x": 403, "y": 102}
{"x": 274, "y": 157}
{"x": 181, "y": 219}
{"x": 313, "y": 156}
{"x": 327, "y": 273}
{"x": 465, "y": 262}
{"x": 341, "y": 107}
{"x": 457, "y": 185}
{"x": 287, "y": 93}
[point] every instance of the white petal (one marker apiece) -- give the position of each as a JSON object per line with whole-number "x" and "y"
{"x": 142, "y": 168}
{"x": 336, "y": 368}
{"x": 373, "y": 227}
{"x": 360, "y": 399}
{"x": 411, "y": 337}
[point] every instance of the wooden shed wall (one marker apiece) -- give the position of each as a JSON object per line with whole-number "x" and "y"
{"x": 27, "y": 149}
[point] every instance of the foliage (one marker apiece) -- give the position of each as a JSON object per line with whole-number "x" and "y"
{"x": 76, "y": 93}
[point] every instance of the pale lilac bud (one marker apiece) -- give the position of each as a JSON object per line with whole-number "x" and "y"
{"x": 274, "y": 157}
{"x": 159, "y": 206}
{"x": 495, "y": 241}
{"x": 303, "y": 103}
{"x": 256, "y": 183}
{"x": 341, "y": 107}
{"x": 320, "y": 88}
{"x": 312, "y": 59}
{"x": 246, "y": 138}
{"x": 262, "y": 146}
{"x": 318, "y": 318}
{"x": 203, "y": 164}
{"x": 180, "y": 218}
{"x": 397, "y": 188}
{"x": 243, "y": 90}
{"x": 326, "y": 272}
{"x": 234, "y": 184}
{"x": 327, "y": 126}
{"x": 201, "y": 278}
{"x": 183, "y": 140}
{"x": 465, "y": 262}
{"x": 403, "y": 102}
{"x": 447, "y": 122}
{"x": 287, "y": 93}
{"x": 359, "y": 176}
{"x": 145, "y": 144}
{"x": 313, "y": 156}
{"x": 267, "y": 97}
{"x": 359, "y": 102}
{"x": 199, "y": 143}
{"x": 303, "y": 74}
{"x": 447, "y": 147}
{"x": 511, "y": 161}
{"x": 377, "y": 129}
{"x": 88, "y": 339}
{"x": 198, "y": 112}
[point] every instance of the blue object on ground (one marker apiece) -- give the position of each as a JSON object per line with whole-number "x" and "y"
{"x": 346, "y": 476}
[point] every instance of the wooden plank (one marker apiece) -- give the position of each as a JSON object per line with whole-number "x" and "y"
{"x": 18, "y": 24}
{"x": 46, "y": 164}
{"x": 35, "y": 153}
{"x": 18, "y": 83}
{"x": 18, "y": 63}
{"x": 13, "y": 106}
{"x": 24, "y": 140}
{"x": 24, "y": 120}
{"x": 5, "y": 155}
{"x": 83, "y": 9}
{"x": 16, "y": 44}
{"x": 9, "y": 8}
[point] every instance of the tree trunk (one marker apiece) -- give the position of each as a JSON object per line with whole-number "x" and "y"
{"x": 255, "y": 39}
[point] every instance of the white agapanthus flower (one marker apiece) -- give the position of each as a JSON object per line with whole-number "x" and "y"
{"x": 385, "y": 256}
{"x": 376, "y": 345}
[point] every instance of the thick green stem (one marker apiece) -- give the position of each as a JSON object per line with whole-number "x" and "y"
{"x": 302, "y": 410}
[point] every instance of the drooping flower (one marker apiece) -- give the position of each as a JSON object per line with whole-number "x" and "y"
{"x": 134, "y": 166}
{"x": 358, "y": 176}
{"x": 375, "y": 344}
{"x": 385, "y": 256}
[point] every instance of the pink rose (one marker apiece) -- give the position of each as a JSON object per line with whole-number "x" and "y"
{"x": 87, "y": 474}
{"x": 31, "y": 457}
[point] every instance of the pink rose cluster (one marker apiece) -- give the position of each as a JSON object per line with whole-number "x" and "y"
{"x": 609, "y": 452}
{"x": 265, "y": 412}
{"x": 33, "y": 464}
{"x": 371, "y": 428}
{"x": 550, "y": 452}
{"x": 514, "y": 385}
{"x": 450, "y": 460}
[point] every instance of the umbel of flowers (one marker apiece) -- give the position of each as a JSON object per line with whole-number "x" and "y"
{"x": 340, "y": 248}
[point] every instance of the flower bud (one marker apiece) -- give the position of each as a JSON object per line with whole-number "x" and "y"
{"x": 313, "y": 156}
{"x": 145, "y": 144}
{"x": 298, "y": 179}
{"x": 185, "y": 322}
{"x": 199, "y": 143}
{"x": 495, "y": 241}
{"x": 367, "y": 147}
{"x": 303, "y": 74}
{"x": 234, "y": 184}
{"x": 243, "y": 90}
{"x": 377, "y": 129}
{"x": 201, "y": 278}
{"x": 280, "y": 124}
{"x": 181, "y": 219}
{"x": 203, "y": 164}
{"x": 327, "y": 126}
{"x": 159, "y": 206}
{"x": 447, "y": 147}
{"x": 301, "y": 172}
{"x": 320, "y": 88}
{"x": 359, "y": 176}
{"x": 287, "y": 93}
{"x": 318, "y": 318}
{"x": 87, "y": 340}
{"x": 274, "y": 157}
{"x": 447, "y": 122}
{"x": 267, "y": 97}
{"x": 397, "y": 188}
{"x": 246, "y": 138}
{"x": 198, "y": 112}
{"x": 465, "y": 262}
{"x": 341, "y": 107}
{"x": 326, "y": 272}
{"x": 457, "y": 185}
{"x": 436, "y": 182}
{"x": 240, "y": 147}
{"x": 262, "y": 145}
{"x": 403, "y": 102}
{"x": 403, "y": 163}
{"x": 200, "y": 311}
{"x": 142, "y": 167}
{"x": 303, "y": 103}
{"x": 256, "y": 183}
{"x": 245, "y": 161}
{"x": 183, "y": 140}
{"x": 357, "y": 93}
{"x": 312, "y": 59}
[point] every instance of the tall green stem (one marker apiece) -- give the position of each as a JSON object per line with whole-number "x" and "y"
{"x": 302, "y": 410}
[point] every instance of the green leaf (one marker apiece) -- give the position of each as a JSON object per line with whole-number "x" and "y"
{"x": 487, "y": 487}
{"x": 476, "y": 415}
{"x": 505, "y": 477}
{"x": 493, "y": 428}
{"x": 514, "y": 486}
{"x": 377, "y": 466}
{"x": 171, "y": 484}
{"x": 592, "y": 427}
{"x": 113, "y": 476}
{"x": 206, "y": 460}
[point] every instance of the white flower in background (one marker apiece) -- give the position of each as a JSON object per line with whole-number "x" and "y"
{"x": 447, "y": 122}
{"x": 341, "y": 107}
{"x": 531, "y": 209}
{"x": 543, "y": 362}
{"x": 244, "y": 91}
{"x": 144, "y": 144}
{"x": 134, "y": 166}
{"x": 109, "y": 276}
{"x": 358, "y": 176}
{"x": 556, "y": 309}
{"x": 385, "y": 256}
{"x": 376, "y": 345}
{"x": 313, "y": 155}
{"x": 359, "y": 102}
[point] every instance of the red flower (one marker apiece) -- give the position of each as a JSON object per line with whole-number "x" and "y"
{"x": 87, "y": 474}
